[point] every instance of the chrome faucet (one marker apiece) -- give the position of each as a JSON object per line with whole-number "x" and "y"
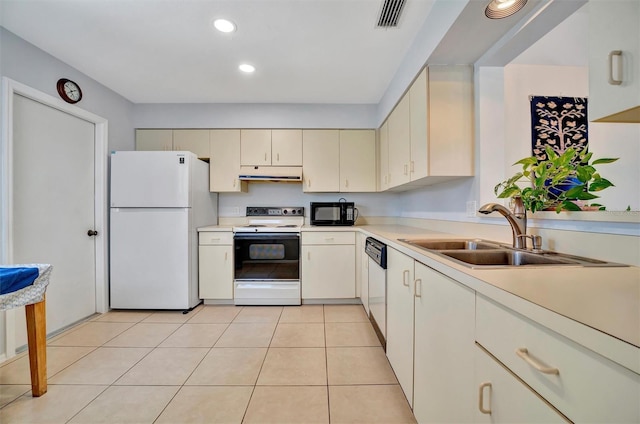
{"x": 517, "y": 219}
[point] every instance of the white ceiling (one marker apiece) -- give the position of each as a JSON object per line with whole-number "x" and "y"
{"x": 166, "y": 51}
{"x": 305, "y": 51}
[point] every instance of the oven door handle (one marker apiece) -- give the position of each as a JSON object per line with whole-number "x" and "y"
{"x": 266, "y": 236}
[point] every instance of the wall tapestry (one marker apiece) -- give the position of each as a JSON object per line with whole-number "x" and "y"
{"x": 558, "y": 122}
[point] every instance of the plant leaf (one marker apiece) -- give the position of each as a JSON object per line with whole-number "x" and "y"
{"x": 585, "y": 195}
{"x": 604, "y": 160}
{"x": 570, "y": 206}
{"x": 600, "y": 184}
{"x": 509, "y": 192}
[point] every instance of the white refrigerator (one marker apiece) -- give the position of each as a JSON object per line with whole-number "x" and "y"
{"x": 158, "y": 199}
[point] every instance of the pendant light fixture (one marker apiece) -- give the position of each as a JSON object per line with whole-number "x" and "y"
{"x": 499, "y": 9}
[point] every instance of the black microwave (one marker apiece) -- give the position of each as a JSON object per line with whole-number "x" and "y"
{"x": 333, "y": 213}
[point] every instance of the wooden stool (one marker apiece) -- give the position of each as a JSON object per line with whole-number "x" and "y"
{"x": 37, "y": 342}
{"x": 32, "y": 297}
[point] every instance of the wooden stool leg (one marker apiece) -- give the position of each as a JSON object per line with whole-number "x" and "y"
{"x": 37, "y": 339}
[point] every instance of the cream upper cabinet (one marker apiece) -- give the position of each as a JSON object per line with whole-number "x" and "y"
{"x": 450, "y": 124}
{"x": 357, "y": 160}
{"x": 419, "y": 164}
{"x": 196, "y": 141}
{"x": 154, "y": 140}
{"x": 224, "y": 164}
{"x": 271, "y": 147}
{"x": 383, "y": 155}
{"x": 614, "y": 61}
{"x": 321, "y": 160}
{"x": 399, "y": 124}
{"x": 430, "y": 131}
{"x": 255, "y": 147}
{"x": 443, "y": 382}
{"x": 286, "y": 147}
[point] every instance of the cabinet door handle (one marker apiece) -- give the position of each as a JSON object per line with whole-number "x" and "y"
{"x": 523, "y": 353}
{"x": 309, "y": 182}
{"x": 265, "y": 157}
{"x": 481, "y": 398}
{"x": 417, "y": 282}
{"x": 346, "y": 183}
{"x": 225, "y": 256}
{"x": 308, "y": 256}
{"x": 612, "y": 80}
{"x": 405, "y": 280}
{"x": 234, "y": 183}
{"x": 278, "y": 157}
{"x": 406, "y": 169}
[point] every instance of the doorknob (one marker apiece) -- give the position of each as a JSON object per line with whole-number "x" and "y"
{"x": 91, "y": 233}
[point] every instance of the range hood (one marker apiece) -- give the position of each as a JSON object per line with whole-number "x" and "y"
{"x": 271, "y": 173}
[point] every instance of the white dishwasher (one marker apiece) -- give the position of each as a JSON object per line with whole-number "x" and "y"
{"x": 377, "y": 252}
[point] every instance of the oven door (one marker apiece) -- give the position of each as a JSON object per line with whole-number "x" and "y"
{"x": 267, "y": 269}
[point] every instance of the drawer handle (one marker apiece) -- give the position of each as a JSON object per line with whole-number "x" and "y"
{"x": 417, "y": 283}
{"x": 612, "y": 80}
{"x": 481, "y": 398}
{"x": 405, "y": 281}
{"x": 524, "y": 354}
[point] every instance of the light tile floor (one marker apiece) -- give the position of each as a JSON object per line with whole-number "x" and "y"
{"x": 217, "y": 364}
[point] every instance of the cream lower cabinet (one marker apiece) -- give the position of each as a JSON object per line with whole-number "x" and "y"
{"x": 444, "y": 338}
{"x": 362, "y": 271}
{"x": 224, "y": 164}
{"x": 504, "y": 398}
{"x": 328, "y": 264}
{"x": 582, "y": 385}
{"x": 400, "y": 286}
{"x": 215, "y": 265}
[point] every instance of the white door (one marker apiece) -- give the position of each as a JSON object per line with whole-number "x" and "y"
{"x": 53, "y": 207}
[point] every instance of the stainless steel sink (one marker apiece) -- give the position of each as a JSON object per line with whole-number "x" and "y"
{"x": 452, "y": 244}
{"x": 477, "y": 253}
{"x": 505, "y": 258}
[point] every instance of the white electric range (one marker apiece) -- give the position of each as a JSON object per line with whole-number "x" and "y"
{"x": 267, "y": 256}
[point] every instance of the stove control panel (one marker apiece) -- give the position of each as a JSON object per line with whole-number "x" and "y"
{"x": 275, "y": 211}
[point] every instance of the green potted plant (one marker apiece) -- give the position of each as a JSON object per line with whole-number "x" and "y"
{"x": 557, "y": 182}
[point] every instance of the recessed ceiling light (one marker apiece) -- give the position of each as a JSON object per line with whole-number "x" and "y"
{"x": 499, "y": 9}
{"x": 224, "y": 25}
{"x": 245, "y": 67}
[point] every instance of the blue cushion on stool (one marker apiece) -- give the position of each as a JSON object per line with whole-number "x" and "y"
{"x": 14, "y": 279}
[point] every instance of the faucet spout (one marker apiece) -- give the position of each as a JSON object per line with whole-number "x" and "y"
{"x": 517, "y": 219}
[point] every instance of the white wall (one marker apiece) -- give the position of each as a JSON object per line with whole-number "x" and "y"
{"x": 290, "y": 194}
{"x": 27, "y": 64}
{"x": 31, "y": 66}
{"x": 238, "y": 115}
{"x": 605, "y": 140}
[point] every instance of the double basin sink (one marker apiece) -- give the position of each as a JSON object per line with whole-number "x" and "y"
{"x": 475, "y": 253}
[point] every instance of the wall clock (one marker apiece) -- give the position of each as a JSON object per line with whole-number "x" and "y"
{"x": 69, "y": 90}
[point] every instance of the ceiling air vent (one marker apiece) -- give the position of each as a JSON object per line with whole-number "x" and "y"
{"x": 390, "y": 13}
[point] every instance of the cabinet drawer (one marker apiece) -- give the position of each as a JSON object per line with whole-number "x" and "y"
{"x": 329, "y": 237}
{"x": 215, "y": 237}
{"x": 578, "y": 382}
